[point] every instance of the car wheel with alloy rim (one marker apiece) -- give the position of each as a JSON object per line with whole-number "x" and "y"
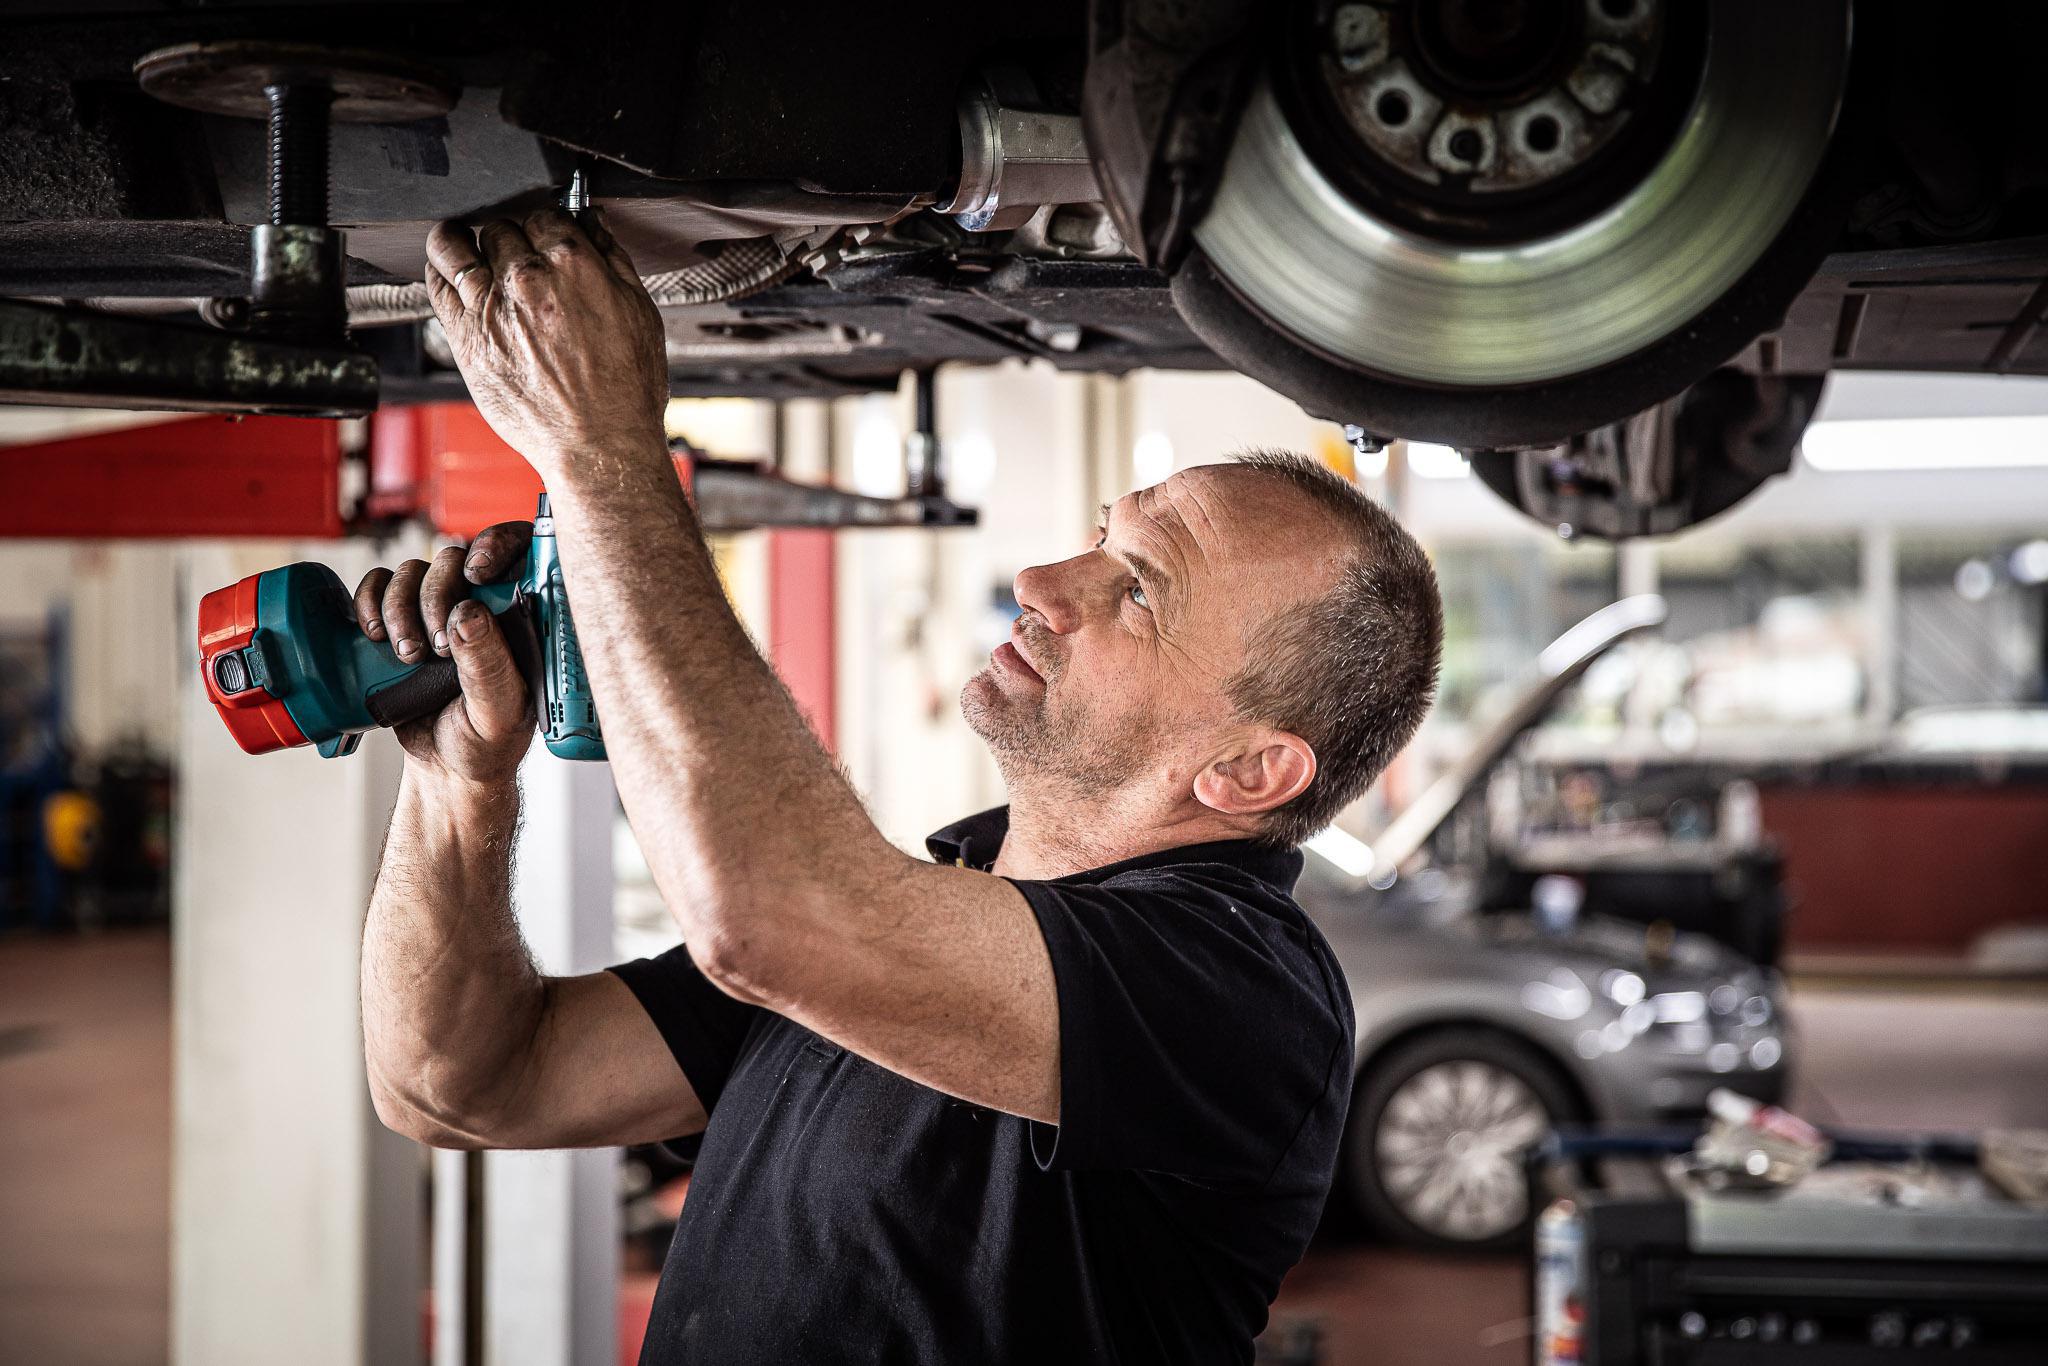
{"x": 1439, "y": 1127}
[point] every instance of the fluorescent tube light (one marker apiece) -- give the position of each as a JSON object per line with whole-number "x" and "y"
{"x": 1926, "y": 443}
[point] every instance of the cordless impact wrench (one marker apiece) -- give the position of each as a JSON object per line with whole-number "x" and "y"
{"x": 286, "y": 663}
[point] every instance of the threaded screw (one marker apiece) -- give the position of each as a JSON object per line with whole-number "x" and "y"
{"x": 298, "y": 153}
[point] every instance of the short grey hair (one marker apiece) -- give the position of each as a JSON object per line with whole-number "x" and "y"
{"x": 1352, "y": 672}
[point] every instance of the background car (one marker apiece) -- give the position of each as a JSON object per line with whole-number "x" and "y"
{"x": 1482, "y": 1025}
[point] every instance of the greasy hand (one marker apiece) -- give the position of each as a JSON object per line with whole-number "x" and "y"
{"x": 424, "y": 610}
{"x": 560, "y": 345}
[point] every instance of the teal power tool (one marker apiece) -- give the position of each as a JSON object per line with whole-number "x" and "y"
{"x": 286, "y": 664}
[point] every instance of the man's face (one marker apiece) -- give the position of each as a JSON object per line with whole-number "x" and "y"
{"x": 1116, "y": 670}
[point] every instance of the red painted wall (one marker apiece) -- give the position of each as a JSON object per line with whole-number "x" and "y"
{"x": 802, "y": 624}
{"x": 1923, "y": 869}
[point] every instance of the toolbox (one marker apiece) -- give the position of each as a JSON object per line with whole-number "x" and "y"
{"x": 1892, "y": 1251}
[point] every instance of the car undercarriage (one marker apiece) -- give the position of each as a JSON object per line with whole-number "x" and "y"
{"x": 1610, "y": 248}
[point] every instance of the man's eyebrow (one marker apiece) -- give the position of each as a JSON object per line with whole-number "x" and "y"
{"x": 1149, "y": 571}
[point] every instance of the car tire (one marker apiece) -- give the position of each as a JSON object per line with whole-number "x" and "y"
{"x": 1405, "y": 1081}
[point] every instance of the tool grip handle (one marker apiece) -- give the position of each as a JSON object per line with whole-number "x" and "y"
{"x": 424, "y": 691}
{"x": 426, "y": 688}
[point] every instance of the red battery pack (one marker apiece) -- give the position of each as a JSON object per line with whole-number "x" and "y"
{"x": 227, "y": 621}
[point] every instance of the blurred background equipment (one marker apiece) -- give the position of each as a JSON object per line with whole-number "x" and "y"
{"x": 1889, "y": 1248}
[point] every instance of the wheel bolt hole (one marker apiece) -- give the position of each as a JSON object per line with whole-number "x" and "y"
{"x": 1392, "y": 108}
{"x": 1466, "y": 146}
{"x": 1541, "y": 134}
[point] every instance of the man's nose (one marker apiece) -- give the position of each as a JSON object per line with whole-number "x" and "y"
{"x": 1053, "y": 592}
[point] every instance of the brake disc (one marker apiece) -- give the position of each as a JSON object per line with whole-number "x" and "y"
{"x": 1411, "y": 298}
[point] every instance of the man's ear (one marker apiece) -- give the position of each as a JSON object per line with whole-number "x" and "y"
{"x": 1271, "y": 769}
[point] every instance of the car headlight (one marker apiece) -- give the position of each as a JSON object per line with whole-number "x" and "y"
{"x": 1728, "y": 1025}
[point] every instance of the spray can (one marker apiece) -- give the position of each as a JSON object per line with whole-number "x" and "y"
{"x": 1560, "y": 1312}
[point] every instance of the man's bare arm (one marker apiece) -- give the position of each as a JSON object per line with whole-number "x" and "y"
{"x": 467, "y": 1044}
{"x": 786, "y": 893}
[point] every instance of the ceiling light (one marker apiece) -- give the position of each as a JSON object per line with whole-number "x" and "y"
{"x": 1431, "y": 461}
{"x": 1926, "y": 443}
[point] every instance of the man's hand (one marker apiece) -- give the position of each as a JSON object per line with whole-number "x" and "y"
{"x": 482, "y": 735}
{"x": 552, "y": 329}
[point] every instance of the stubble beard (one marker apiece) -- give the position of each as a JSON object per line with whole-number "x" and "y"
{"x": 1043, "y": 748}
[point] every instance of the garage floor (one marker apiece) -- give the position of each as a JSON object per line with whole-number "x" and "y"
{"x": 85, "y": 1176}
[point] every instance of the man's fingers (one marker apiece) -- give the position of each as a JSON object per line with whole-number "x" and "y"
{"x": 370, "y": 602}
{"x": 439, "y": 592}
{"x": 493, "y": 693}
{"x": 497, "y": 551}
{"x": 452, "y": 254}
{"x": 518, "y": 270}
{"x": 504, "y": 244}
{"x": 447, "y": 302}
{"x": 614, "y": 255}
{"x": 402, "y": 621}
{"x": 554, "y": 233}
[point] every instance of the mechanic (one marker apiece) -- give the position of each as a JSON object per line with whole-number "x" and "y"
{"x": 1085, "y": 1109}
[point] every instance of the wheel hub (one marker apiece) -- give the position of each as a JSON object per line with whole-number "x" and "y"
{"x": 1465, "y": 101}
{"x": 1440, "y": 236}
{"x": 1489, "y": 46}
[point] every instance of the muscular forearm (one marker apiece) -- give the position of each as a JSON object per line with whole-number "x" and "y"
{"x": 748, "y": 828}
{"x": 451, "y": 998}
{"x": 735, "y": 804}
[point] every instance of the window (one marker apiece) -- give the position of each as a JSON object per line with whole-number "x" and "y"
{"x": 1972, "y": 621}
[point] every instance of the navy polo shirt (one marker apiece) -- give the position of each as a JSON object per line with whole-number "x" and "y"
{"x": 842, "y": 1213}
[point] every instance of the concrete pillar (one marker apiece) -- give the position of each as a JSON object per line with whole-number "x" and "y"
{"x": 551, "y": 1219}
{"x": 1879, "y": 572}
{"x": 1108, "y": 438}
{"x": 295, "y": 1214}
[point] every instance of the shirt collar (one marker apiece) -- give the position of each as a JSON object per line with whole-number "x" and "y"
{"x": 975, "y": 842}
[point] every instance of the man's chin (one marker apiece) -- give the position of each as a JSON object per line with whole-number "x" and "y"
{"x": 980, "y": 700}
{"x": 999, "y": 719}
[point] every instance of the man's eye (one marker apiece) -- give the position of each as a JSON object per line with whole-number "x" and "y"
{"x": 1138, "y": 596}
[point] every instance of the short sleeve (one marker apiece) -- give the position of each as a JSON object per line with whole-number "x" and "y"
{"x": 703, "y": 1027}
{"x": 1200, "y": 1029}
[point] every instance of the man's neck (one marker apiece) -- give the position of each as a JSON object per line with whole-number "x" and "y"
{"x": 1057, "y": 835}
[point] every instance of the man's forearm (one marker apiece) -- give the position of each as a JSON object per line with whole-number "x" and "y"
{"x": 729, "y": 792}
{"x": 451, "y": 998}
